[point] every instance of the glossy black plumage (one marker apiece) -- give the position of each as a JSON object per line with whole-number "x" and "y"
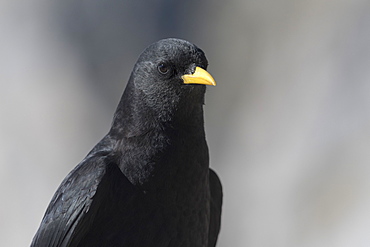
{"x": 147, "y": 182}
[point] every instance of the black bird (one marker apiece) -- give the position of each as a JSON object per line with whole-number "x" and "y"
{"x": 147, "y": 182}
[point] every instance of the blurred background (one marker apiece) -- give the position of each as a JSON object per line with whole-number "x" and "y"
{"x": 288, "y": 124}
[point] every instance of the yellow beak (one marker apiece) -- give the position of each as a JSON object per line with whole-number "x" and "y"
{"x": 200, "y": 76}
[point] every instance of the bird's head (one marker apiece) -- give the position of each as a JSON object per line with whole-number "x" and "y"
{"x": 171, "y": 77}
{"x": 167, "y": 85}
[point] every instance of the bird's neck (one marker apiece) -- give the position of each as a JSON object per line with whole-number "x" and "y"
{"x": 156, "y": 153}
{"x": 134, "y": 117}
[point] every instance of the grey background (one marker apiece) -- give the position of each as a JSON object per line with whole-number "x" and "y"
{"x": 288, "y": 124}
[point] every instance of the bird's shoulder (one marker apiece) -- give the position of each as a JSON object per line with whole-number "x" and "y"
{"x": 216, "y": 207}
{"x": 76, "y": 202}
{"x": 81, "y": 183}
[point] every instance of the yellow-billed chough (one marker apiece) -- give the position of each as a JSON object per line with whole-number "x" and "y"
{"x": 147, "y": 182}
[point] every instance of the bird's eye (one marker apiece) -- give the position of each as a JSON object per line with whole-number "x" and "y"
{"x": 163, "y": 68}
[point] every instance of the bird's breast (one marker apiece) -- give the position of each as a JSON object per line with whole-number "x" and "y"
{"x": 174, "y": 179}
